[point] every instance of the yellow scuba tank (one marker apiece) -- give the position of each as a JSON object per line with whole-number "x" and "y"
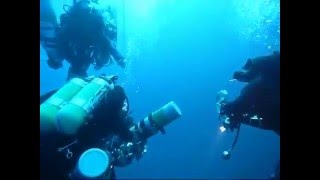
{"x": 71, "y": 116}
{"x": 50, "y": 108}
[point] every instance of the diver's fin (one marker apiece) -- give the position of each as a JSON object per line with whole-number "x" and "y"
{"x": 47, "y": 13}
{"x": 48, "y": 24}
{"x": 47, "y": 96}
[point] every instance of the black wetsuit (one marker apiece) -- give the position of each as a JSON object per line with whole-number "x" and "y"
{"x": 261, "y": 96}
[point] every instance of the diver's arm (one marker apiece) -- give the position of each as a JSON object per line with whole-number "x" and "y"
{"x": 242, "y": 104}
{"x": 116, "y": 54}
{"x": 132, "y": 147}
{"x": 49, "y": 40}
{"x": 125, "y": 132}
{"x": 118, "y": 57}
{"x": 246, "y": 109}
{"x": 48, "y": 24}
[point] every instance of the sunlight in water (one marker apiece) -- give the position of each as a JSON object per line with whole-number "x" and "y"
{"x": 258, "y": 20}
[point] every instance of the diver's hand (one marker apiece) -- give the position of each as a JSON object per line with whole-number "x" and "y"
{"x": 140, "y": 145}
{"x": 54, "y": 64}
{"x": 140, "y": 149}
{"x": 127, "y": 152}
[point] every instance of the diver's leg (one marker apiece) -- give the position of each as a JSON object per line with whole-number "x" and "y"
{"x": 50, "y": 43}
{"x": 48, "y": 34}
{"x": 47, "y": 13}
{"x": 114, "y": 51}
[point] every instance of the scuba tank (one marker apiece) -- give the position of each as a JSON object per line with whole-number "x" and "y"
{"x": 73, "y": 114}
{"x": 50, "y": 107}
{"x": 66, "y": 110}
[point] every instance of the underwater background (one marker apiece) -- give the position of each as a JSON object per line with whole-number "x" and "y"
{"x": 186, "y": 51}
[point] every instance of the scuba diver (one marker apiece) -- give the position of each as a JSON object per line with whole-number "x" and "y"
{"x": 83, "y": 37}
{"x": 86, "y": 129}
{"x": 258, "y": 104}
{"x": 60, "y": 151}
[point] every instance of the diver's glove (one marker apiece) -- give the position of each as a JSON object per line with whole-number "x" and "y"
{"x": 54, "y": 64}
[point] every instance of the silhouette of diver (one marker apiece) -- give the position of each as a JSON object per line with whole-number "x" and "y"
{"x": 258, "y": 104}
{"x": 83, "y": 37}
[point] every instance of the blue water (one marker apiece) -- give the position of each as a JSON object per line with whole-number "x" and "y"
{"x": 186, "y": 51}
